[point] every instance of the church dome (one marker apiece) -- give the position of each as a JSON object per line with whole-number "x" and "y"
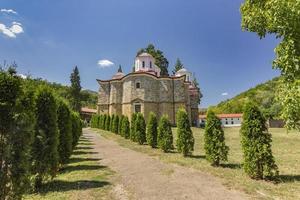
{"x": 184, "y": 72}
{"x": 181, "y": 71}
{"x": 145, "y": 55}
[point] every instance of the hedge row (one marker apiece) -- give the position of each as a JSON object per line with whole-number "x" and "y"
{"x": 37, "y": 135}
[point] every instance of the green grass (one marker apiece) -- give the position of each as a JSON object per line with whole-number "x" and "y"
{"x": 82, "y": 178}
{"x": 285, "y": 149}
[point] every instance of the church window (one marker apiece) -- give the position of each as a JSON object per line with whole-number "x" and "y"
{"x": 138, "y": 85}
{"x": 137, "y": 108}
{"x": 143, "y": 63}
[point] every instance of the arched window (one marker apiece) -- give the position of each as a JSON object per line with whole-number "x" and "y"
{"x": 138, "y": 85}
{"x": 143, "y": 64}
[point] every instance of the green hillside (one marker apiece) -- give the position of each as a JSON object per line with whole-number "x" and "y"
{"x": 263, "y": 95}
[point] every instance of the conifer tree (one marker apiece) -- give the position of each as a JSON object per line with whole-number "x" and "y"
{"x": 120, "y": 125}
{"x": 178, "y": 66}
{"x": 259, "y": 162}
{"x": 75, "y": 90}
{"x": 132, "y": 127}
{"x": 93, "y": 123}
{"x": 140, "y": 129}
{"x": 76, "y": 128}
{"x": 46, "y": 140}
{"x": 185, "y": 139}
{"x": 100, "y": 121}
{"x": 65, "y": 132}
{"x": 125, "y": 128}
{"x": 107, "y": 123}
{"x": 151, "y": 130}
{"x": 165, "y": 136}
{"x": 111, "y": 123}
{"x": 103, "y": 122}
{"x": 214, "y": 140}
{"x": 116, "y": 124}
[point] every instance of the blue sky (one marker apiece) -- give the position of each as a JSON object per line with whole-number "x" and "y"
{"x": 47, "y": 38}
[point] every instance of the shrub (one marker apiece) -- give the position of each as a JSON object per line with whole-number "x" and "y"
{"x": 125, "y": 128}
{"x": 111, "y": 123}
{"x": 256, "y": 142}
{"x": 214, "y": 140}
{"x": 103, "y": 121}
{"x": 132, "y": 127}
{"x": 120, "y": 125}
{"x": 76, "y": 128}
{"x": 140, "y": 129}
{"x": 116, "y": 124}
{"x": 46, "y": 140}
{"x": 107, "y": 123}
{"x": 151, "y": 133}
{"x": 165, "y": 136}
{"x": 65, "y": 132}
{"x": 185, "y": 139}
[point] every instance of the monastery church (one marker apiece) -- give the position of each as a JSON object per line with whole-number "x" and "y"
{"x": 145, "y": 91}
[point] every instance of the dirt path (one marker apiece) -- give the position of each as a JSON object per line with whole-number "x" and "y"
{"x": 143, "y": 177}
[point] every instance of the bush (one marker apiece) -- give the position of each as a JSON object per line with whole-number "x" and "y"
{"x": 116, "y": 124}
{"x": 103, "y": 121}
{"x": 256, "y": 142}
{"x": 120, "y": 125}
{"x": 125, "y": 128}
{"x": 165, "y": 136}
{"x": 111, "y": 123}
{"x": 46, "y": 140}
{"x": 107, "y": 123}
{"x": 151, "y": 133}
{"x": 214, "y": 140}
{"x": 185, "y": 139}
{"x": 140, "y": 129}
{"x": 65, "y": 132}
{"x": 76, "y": 128}
{"x": 132, "y": 127}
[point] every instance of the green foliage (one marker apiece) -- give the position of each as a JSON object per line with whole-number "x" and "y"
{"x": 185, "y": 139}
{"x": 65, "y": 132}
{"x": 256, "y": 142}
{"x": 120, "y": 125}
{"x": 151, "y": 130}
{"x": 76, "y": 128}
{"x": 178, "y": 66}
{"x": 103, "y": 121}
{"x": 160, "y": 59}
{"x": 282, "y": 19}
{"x": 125, "y": 128}
{"x": 214, "y": 140}
{"x": 132, "y": 127}
{"x": 46, "y": 140}
{"x": 16, "y": 134}
{"x": 165, "y": 136}
{"x": 111, "y": 123}
{"x": 262, "y": 95}
{"x": 140, "y": 129}
{"x": 75, "y": 90}
{"x": 107, "y": 123}
{"x": 115, "y": 125}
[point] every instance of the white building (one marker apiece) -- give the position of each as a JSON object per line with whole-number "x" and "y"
{"x": 146, "y": 63}
{"x": 228, "y": 120}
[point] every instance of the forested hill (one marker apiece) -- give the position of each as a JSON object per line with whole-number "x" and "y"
{"x": 88, "y": 97}
{"x": 263, "y": 95}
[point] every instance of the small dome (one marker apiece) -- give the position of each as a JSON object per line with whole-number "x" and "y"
{"x": 145, "y": 55}
{"x": 181, "y": 71}
{"x": 118, "y": 75}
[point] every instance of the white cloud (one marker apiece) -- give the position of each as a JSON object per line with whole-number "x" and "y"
{"x": 105, "y": 63}
{"x": 9, "y": 11}
{"x": 12, "y": 31}
{"x": 22, "y": 76}
{"x": 224, "y": 94}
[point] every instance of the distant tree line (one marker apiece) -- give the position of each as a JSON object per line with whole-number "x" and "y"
{"x": 38, "y": 132}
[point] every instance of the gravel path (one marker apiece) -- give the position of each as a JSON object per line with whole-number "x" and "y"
{"x": 143, "y": 177}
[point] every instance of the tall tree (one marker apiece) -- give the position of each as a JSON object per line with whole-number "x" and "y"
{"x": 178, "y": 66}
{"x": 196, "y": 84}
{"x": 164, "y": 135}
{"x": 282, "y": 19}
{"x": 151, "y": 130}
{"x": 75, "y": 90}
{"x": 160, "y": 60}
{"x": 140, "y": 129}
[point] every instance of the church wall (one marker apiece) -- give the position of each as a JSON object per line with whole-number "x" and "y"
{"x": 167, "y": 109}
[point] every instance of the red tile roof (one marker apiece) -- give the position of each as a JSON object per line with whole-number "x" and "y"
{"x": 234, "y": 115}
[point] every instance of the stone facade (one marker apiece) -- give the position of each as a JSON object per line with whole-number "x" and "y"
{"x": 144, "y": 92}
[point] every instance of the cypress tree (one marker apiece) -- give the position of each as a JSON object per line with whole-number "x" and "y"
{"x": 185, "y": 139}
{"x": 100, "y": 121}
{"x": 120, "y": 125}
{"x": 125, "y": 128}
{"x": 107, "y": 123}
{"x": 140, "y": 129}
{"x": 214, "y": 140}
{"x": 93, "y": 121}
{"x": 75, "y": 90}
{"x": 165, "y": 136}
{"x": 132, "y": 128}
{"x": 116, "y": 124}
{"x": 111, "y": 123}
{"x": 76, "y": 128}
{"x": 65, "y": 132}
{"x": 151, "y": 130}
{"x": 103, "y": 122}
{"x": 46, "y": 140}
{"x": 259, "y": 162}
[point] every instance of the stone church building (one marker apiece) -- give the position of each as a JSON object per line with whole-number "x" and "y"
{"x": 144, "y": 90}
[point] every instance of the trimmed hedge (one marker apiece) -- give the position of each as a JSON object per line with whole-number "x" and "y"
{"x": 140, "y": 129}
{"x": 151, "y": 130}
{"x": 125, "y": 128}
{"x": 165, "y": 136}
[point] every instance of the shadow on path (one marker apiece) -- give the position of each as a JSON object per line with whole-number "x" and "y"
{"x": 84, "y": 152}
{"x": 76, "y": 159}
{"x": 288, "y": 178}
{"x": 81, "y": 167}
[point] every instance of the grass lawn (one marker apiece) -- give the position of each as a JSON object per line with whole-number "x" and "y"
{"x": 285, "y": 149}
{"x": 83, "y": 178}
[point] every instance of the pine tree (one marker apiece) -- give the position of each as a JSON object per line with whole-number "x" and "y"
{"x": 116, "y": 124}
{"x": 214, "y": 140}
{"x": 125, "y": 128}
{"x": 46, "y": 140}
{"x": 111, "y": 123}
{"x": 65, "y": 132}
{"x": 259, "y": 162}
{"x": 132, "y": 127}
{"x": 185, "y": 139}
{"x": 165, "y": 136}
{"x": 75, "y": 90}
{"x": 151, "y": 131}
{"x": 107, "y": 123}
{"x": 178, "y": 66}
{"x": 120, "y": 125}
{"x": 140, "y": 129}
